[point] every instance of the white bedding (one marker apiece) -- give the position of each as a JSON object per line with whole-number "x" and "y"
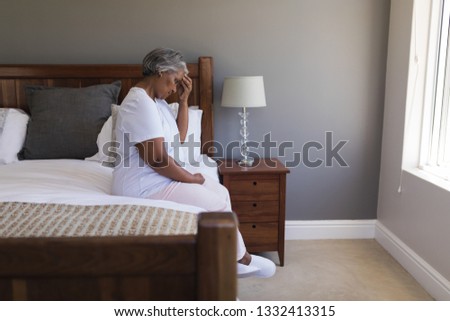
{"x": 75, "y": 182}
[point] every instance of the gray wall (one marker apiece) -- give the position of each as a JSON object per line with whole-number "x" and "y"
{"x": 323, "y": 63}
{"x": 419, "y": 215}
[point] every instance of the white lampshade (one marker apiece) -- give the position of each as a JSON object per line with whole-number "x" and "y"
{"x": 243, "y": 92}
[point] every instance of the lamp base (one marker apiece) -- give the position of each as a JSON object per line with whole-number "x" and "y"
{"x": 247, "y": 162}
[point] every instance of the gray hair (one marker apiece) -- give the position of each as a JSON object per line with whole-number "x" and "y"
{"x": 162, "y": 60}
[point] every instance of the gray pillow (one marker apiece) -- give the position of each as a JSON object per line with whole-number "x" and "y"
{"x": 65, "y": 122}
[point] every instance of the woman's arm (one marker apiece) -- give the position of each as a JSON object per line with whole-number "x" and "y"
{"x": 184, "y": 89}
{"x": 155, "y": 155}
{"x": 183, "y": 120}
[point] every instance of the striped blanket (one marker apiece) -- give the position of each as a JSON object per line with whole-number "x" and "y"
{"x": 63, "y": 220}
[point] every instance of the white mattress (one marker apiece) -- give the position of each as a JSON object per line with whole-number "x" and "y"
{"x": 75, "y": 182}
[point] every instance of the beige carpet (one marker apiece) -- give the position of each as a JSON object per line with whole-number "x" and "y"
{"x": 334, "y": 270}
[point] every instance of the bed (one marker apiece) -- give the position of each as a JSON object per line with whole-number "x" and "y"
{"x": 64, "y": 237}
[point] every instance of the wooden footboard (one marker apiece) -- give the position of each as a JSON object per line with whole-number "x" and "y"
{"x": 182, "y": 267}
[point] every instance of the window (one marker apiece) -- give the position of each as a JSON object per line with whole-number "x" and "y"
{"x": 436, "y": 147}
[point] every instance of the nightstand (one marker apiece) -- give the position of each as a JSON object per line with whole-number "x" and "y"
{"x": 258, "y": 197}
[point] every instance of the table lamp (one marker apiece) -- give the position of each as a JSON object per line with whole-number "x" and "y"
{"x": 244, "y": 92}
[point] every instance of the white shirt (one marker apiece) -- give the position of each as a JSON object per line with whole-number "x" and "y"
{"x": 140, "y": 119}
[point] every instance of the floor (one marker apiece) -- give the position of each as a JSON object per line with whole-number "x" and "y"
{"x": 334, "y": 270}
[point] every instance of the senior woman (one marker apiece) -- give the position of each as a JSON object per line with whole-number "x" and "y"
{"x": 146, "y": 129}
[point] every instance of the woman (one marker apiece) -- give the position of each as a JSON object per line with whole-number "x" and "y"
{"x": 146, "y": 129}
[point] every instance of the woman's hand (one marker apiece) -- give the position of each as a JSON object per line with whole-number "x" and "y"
{"x": 184, "y": 88}
{"x": 198, "y": 179}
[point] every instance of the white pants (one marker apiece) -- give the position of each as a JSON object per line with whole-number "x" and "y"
{"x": 211, "y": 196}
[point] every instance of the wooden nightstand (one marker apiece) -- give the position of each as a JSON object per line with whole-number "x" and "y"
{"x": 258, "y": 196}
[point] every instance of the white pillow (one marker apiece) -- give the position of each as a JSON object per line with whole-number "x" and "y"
{"x": 13, "y": 129}
{"x": 195, "y": 130}
{"x": 106, "y": 139}
{"x": 194, "y": 134}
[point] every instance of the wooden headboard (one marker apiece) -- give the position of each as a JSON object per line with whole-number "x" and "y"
{"x": 13, "y": 78}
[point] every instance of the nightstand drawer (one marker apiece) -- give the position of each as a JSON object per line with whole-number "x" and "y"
{"x": 260, "y": 236}
{"x": 261, "y": 211}
{"x": 269, "y": 185}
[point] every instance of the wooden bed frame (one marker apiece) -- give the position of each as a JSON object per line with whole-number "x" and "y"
{"x": 190, "y": 267}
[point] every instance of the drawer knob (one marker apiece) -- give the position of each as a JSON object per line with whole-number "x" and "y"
{"x": 254, "y": 183}
{"x": 253, "y": 226}
{"x": 254, "y": 204}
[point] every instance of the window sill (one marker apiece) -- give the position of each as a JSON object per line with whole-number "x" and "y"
{"x": 434, "y": 176}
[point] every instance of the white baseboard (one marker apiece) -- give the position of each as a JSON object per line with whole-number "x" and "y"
{"x": 330, "y": 229}
{"x": 430, "y": 279}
